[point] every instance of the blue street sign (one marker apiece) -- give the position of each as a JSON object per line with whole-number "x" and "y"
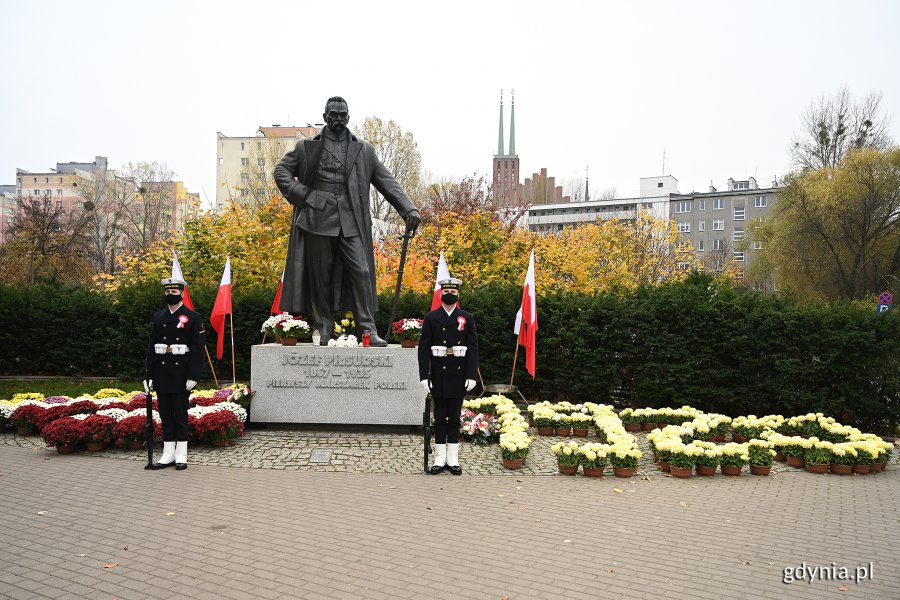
{"x": 882, "y": 308}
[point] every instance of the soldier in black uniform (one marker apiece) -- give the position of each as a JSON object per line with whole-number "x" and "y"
{"x": 448, "y": 364}
{"x": 174, "y": 360}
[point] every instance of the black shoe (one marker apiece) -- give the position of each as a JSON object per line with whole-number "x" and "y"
{"x": 158, "y": 466}
{"x": 457, "y": 470}
{"x": 377, "y": 342}
{"x": 436, "y": 470}
{"x": 180, "y": 466}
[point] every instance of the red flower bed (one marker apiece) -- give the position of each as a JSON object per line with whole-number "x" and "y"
{"x": 217, "y": 426}
{"x": 192, "y": 426}
{"x": 205, "y": 401}
{"x": 82, "y": 406}
{"x": 66, "y": 431}
{"x": 25, "y": 415}
{"x": 132, "y": 429}
{"x": 99, "y": 428}
{"x": 140, "y": 401}
{"x": 44, "y": 417}
{"x": 121, "y": 405}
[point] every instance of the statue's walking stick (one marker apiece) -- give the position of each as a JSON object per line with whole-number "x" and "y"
{"x": 406, "y": 237}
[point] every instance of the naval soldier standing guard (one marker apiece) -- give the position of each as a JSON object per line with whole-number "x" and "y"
{"x": 174, "y": 359}
{"x": 448, "y": 364}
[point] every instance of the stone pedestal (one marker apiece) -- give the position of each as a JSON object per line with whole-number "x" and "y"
{"x": 316, "y": 384}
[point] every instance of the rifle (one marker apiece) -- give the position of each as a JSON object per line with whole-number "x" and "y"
{"x": 426, "y": 422}
{"x": 148, "y": 430}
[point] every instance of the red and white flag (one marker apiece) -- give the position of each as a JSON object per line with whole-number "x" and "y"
{"x": 177, "y": 274}
{"x": 442, "y": 273}
{"x": 222, "y": 307}
{"x": 526, "y": 318}
{"x": 276, "y": 310}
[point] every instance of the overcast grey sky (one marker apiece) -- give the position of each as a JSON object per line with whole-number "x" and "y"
{"x": 719, "y": 85}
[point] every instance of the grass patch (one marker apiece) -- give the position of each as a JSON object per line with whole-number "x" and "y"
{"x": 72, "y": 387}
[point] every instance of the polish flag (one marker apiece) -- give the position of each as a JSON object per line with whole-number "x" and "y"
{"x": 526, "y": 318}
{"x": 177, "y": 274}
{"x": 275, "y": 305}
{"x": 222, "y": 307}
{"x": 442, "y": 273}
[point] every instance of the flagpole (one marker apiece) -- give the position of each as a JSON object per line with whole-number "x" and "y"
{"x": 211, "y": 368}
{"x": 233, "y": 371}
{"x": 515, "y": 356}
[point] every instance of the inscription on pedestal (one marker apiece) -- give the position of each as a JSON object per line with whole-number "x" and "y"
{"x": 314, "y": 384}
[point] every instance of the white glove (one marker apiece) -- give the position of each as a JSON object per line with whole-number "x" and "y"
{"x": 190, "y": 384}
{"x": 470, "y": 385}
{"x": 426, "y": 385}
{"x": 148, "y": 385}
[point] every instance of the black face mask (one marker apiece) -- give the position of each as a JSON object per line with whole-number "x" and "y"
{"x": 449, "y": 298}
{"x": 172, "y": 299}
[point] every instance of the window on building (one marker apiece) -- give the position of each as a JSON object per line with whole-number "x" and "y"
{"x": 684, "y": 228}
{"x": 35, "y": 179}
{"x": 245, "y": 177}
{"x": 757, "y": 245}
{"x": 48, "y": 192}
{"x": 738, "y": 234}
{"x": 221, "y": 161}
{"x": 700, "y": 246}
{"x": 244, "y": 162}
{"x": 738, "y": 256}
{"x": 718, "y": 224}
{"x": 718, "y": 244}
{"x": 261, "y": 162}
{"x": 761, "y": 201}
{"x": 46, "y": 180}
{"x": 59, "y": 192}
{"x": 242, "y": 146}
{"x": 738, "y": 214}
{"x": 683, "y": 207}
{"x": 719, "y": 204}
{"x": 702, "y": 204}
{"x": 701, "y": 226}
{"x": 659, "y": 185}
{"x": 59, "y": 204}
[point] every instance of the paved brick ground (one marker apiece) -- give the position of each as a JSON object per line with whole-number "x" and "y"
{"x": 296, "y": 533}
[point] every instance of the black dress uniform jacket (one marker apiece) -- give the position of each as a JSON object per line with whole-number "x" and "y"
{"x": 169, "y": 372}
{"x": 448, "y": 374}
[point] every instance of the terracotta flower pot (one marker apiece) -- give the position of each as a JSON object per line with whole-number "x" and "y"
{"x": 780, "y": 457}
{"x": 581, "y": 432}
{"x": 719, "y": 438}
{"x": 796, "y": 461}
{"x": 705, "y": 471}
{"x": 862, "y": 469}
{"x": 841, "y": 469}
{"x": 545, "y": 430}
{"x": 632, "y": 426}
{"x": 409, "y": 343}
{"x": 25, "y": 431}
{"x": 96, "y": 446}
{"x": 817, "y": 468}
{"x": 135, "y": 444}
{"x": 623, "y": 472}
{"x": 664, "y": 466}
{"x": 731, "y": 471}
{"x": 876, "y": 467}
{"x": 285, "y": 341}
{"x": 513, "y": 464}
{"x": 737, "y": 438}
{"x": 648, "y": 426}
{"x": 760, "y": 469}
{"x": 681, "y": 472}
{"x": 219, "y": 443}
{"x": 65, "y": 449}
{"x": 567, "y": 470}
{"x": 593, "y": 471}
{"x": 563, "y": 431}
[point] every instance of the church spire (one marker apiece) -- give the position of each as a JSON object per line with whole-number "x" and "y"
{"x": 500, "y": 139}
{"x": 512, "y": 125}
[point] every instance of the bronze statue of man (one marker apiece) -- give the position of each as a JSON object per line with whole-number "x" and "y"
{"x": 330, "y": 260}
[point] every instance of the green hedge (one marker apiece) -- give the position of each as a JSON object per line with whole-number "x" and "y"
{"x": 699, "y": 342}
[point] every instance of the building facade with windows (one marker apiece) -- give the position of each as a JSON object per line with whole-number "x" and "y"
{"x": 716, "y": 223}
{"x": 242, "y": 162}
{"x": 655, "y": 193}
